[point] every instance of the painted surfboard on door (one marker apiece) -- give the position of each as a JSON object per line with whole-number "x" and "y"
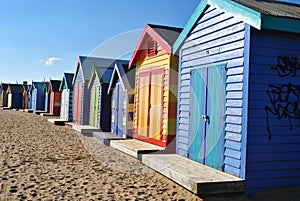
{"x": 206, "y": 140}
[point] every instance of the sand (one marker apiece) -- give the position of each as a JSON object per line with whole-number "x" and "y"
{"x": 41, "y": 161}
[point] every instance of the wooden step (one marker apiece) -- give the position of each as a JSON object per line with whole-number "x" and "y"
{"x": 85, "y": 129}
{"x": 106, "y": 137}
{"x": 135, "y": 148}
{"x": 194, "y": 176}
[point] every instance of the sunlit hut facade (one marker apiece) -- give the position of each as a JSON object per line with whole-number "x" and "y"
{"x": 25, "y": 95}
{"x": 121, "y": 88}
{"x": 36, "y": 96}
{"x": 239, "y": 90}
{"x": 3, "y": 97}
{"x": 66, "y": 88}
{"x": 81, "y": 92}
{"x": 47, "y": 96}
{"x": 100, "y": 100}
{"x": 55, "y": 97}
{"x": 156, "y": 85}
{"x": 15, "y": 96}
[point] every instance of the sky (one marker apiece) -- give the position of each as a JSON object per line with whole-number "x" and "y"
{"x": 43, "y": 39}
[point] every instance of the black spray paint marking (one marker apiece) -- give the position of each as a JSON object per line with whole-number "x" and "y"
{"x": 287, "y": 66}
{"x": 285, "y": 103}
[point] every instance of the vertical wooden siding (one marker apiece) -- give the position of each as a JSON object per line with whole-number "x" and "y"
{"x": 273, "y": 157}
{"x": 217, "y": 38}
{"x": 95, "y": 83}
{"x": 161, "y": 60}
{"x": 84, "y": 105}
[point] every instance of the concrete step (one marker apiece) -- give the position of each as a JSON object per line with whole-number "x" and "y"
{"x": 85, "y": 129}
{"x": 135, "y": 148}
{"x": 28, "y": 110}
{"x": 106, "y": 137}
{"x": 194, "y": 176}
{"x": 59, "y": 122}
{"x": 45, "y": 114}
{"x": 38, "y": 112}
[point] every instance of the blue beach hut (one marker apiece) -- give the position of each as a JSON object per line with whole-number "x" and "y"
{"x": 37, "y": 96}
{"x": 122, "y": 89}
{"x": 238, "y": 93}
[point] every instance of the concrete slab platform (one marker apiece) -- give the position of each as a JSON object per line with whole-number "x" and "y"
{"x": 59, "y": 122}
{"x": 38, "y": 112}
{"x": 194, "y": 176}
{"x": 69, "y": 124}
{"x": 106, "y": 137}
{"x": 6, "y": 108}
{"x": 28, "y": 110}
{"x": 48, "y": 115}
{"x": 85, "y": 129}
{"x": 135, "y": 148}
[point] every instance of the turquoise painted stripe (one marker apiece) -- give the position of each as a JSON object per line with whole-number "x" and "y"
{"x": 280, "y": 23}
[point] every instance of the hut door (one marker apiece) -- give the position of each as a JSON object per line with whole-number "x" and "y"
{"x": 117, "y": 106}
{"x": 95, "y": 106}
{"x": 143, "y": 104}
{"x": 150, "y": 104}
{"x": 77, "y": 103}
{"x": 207, "y": 116}
{"x": 120, "y": 110}
{"x": 33, "y": 99}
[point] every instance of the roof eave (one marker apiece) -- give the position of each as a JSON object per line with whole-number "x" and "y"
{"x": 244, "y": 13}
{"x": 153, "y": 34}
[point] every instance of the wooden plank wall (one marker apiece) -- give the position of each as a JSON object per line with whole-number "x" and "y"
{"x": 95, "y": 83}
{"x": 217, "y": 38}
{"x": 161, "y": 60}
{"x": 85, "y": 104}
{"x": 273, "y": 149}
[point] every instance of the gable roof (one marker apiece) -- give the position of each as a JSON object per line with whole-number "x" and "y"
{"x": 46, "y": 86}
{"x": 54, "y": 86}
{"x": 262, "y": 14}
{"x": 66, "y": 82}
{"x": 4, "y": 86}
{"x": 37, "y": 85}
{"x": 15, "y": 88}
{"x": 126, "y": 77}
{"x": 103, "y": 72}
{"x": 165, "y": 36}
{"x": 85, "y": 65}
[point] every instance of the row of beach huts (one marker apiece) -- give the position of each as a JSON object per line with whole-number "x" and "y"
{"x": 219, "y": 100}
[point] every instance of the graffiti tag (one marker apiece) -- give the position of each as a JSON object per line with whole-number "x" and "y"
{"x": 287, "y": 66}
{"x": 284, "y": 100}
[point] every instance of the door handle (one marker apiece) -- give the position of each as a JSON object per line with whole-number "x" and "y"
{"x": 205, "y": 117}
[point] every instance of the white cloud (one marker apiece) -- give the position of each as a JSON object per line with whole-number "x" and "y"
{"x": 51, "y": 61}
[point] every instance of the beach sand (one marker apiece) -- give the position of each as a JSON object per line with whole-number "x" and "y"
{"x": 41, "y": 161}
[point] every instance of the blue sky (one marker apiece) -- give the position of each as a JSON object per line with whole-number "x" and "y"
{"x": 43, "y": 39}
{"x": 33, "y": 31}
